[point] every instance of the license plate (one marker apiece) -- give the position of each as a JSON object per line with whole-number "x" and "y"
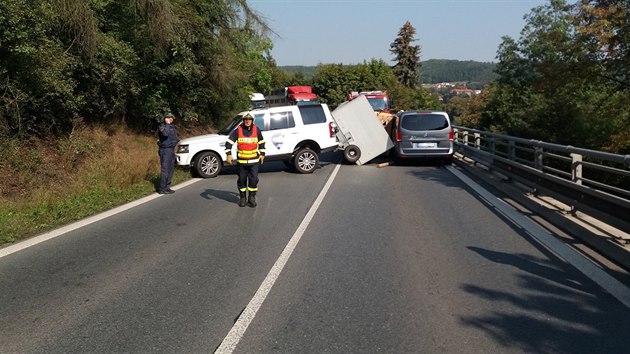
{"x": 424, "y": 145}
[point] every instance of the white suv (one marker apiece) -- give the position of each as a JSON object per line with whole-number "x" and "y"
{"x": 294, "y": 134}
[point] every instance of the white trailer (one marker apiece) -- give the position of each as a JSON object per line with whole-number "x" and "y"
{"x": 360, "y": 133}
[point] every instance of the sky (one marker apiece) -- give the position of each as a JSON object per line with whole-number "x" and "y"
{"x": 312, "y": 32}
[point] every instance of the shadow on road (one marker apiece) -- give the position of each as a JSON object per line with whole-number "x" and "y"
{"x": 210, "y": 194}
{"x": 573, "y": 315}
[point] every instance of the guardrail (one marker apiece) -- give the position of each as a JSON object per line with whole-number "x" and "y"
{"x": 594, "y": 182}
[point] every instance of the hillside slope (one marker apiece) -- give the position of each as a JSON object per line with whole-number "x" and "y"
{"x": 443, "y": 70}
{"x": 432, "y": 71}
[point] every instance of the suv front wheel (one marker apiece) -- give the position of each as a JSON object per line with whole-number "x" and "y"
{"x": 208, "y": 164}
{"x": 305, "y": 160}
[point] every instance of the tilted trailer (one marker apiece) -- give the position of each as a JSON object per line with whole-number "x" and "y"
{"x": 360, "y": 133}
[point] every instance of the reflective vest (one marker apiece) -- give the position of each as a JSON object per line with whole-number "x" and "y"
{"x": 247, "y": 146}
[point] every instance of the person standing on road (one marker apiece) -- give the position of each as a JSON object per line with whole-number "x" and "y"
{"x": 250, "y": 148}
{"x": 167, "y": 139}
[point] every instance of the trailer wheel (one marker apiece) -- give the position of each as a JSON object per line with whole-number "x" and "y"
{"x": 208, "y": 165}
{"x": 305, "y": 161}
{"x": 352, "y": 153}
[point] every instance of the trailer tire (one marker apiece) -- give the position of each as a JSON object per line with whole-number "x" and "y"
{"x": 352, "y": 153}
{"x": 305, "y": 161}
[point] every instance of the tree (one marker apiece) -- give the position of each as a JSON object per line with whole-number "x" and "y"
{"x": 127, "y": 60}
{"x": 407, "y": 56}
{"x": 554, "y": 86}
{"x": 333, "y": 82}
{"x": 605, "y": 24}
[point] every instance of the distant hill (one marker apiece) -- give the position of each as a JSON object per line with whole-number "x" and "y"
{"x": 433, "y": 71}
{"x": 444, "y": 70}
{"x": 306, "y": 70}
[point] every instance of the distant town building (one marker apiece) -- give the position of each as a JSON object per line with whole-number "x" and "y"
{"x": 466, "y": 92}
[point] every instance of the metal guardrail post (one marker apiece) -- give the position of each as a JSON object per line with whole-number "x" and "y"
{"x": 538, "y": 158}
{"x": 512, "y": 150}
{"x": 574, "y": 185}
{"x": 576, "y": 168}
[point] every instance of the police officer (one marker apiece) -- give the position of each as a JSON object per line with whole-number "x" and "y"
{"x": 250, "y": 148}
{"x": 167, "y": 139}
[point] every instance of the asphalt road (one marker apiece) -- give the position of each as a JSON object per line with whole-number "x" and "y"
{"x": 402, "y": 259}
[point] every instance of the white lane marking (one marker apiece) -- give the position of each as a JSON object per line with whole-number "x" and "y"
{"x": 76, "y": 225}
{"x": 614, "y": 287}
{"x": 247, "y": 316}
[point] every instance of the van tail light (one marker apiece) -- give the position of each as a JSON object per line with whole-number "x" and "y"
{"x": 450, "y": 135}
{"x": 398, "y": 136}
{"x": 331, "y": 129}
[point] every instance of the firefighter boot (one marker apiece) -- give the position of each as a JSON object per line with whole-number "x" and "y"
{"x": 241, "y": 201}
{"x": 252, "y": 199}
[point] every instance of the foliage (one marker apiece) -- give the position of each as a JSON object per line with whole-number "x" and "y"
{"x": 467, "y": 111}
{"x": 406, "y": 98}
{"x": 605, "y": 25}
{"x": 407, "y": 56}
{"x": 127, "y": 60}
{"x": 333, "y": 83}
{"x": 555, "y": 85}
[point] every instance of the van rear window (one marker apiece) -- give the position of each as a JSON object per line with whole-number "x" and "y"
{"x": 312, "y": 114}
{"x": 424, "y": 122}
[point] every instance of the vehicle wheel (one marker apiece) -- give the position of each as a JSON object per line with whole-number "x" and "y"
{"x": 208, "y": 165}
{"x": 352, "y": 153}
{"x": 305, "y": 161}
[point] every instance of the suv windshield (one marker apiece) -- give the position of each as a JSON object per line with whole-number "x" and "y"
{"x": 378, "y": 104}
{"x": 423, "y": 122}
{"x": 228, "y": 128}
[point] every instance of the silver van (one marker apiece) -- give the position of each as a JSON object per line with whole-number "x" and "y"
{"x": 424, "y": 135}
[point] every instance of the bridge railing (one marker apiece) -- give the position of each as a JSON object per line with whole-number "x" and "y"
{"x": 595, "y": 182}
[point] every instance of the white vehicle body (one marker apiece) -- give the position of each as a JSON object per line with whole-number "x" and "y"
{"x": 359, "y": 132}
{"x": 257, "y": 99}
{"x": 294, "y": 134}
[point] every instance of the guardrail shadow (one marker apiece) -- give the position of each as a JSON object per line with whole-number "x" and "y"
{"x": 573, "y": 315}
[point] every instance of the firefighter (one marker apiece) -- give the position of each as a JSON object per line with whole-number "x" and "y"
{"x": 250, "y": 148}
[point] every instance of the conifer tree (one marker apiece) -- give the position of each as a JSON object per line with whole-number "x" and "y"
{"x": 407, "y": 66}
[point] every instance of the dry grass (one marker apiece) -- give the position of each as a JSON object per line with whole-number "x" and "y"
{"x": 48, "y": 183}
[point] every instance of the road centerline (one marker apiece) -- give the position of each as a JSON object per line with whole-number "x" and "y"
{"x": 237, "y": 331}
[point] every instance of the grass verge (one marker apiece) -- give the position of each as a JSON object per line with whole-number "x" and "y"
{"x": 45, "y": 184}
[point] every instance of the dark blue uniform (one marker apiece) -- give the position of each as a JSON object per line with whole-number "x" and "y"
{"x": 167, "y": 139}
